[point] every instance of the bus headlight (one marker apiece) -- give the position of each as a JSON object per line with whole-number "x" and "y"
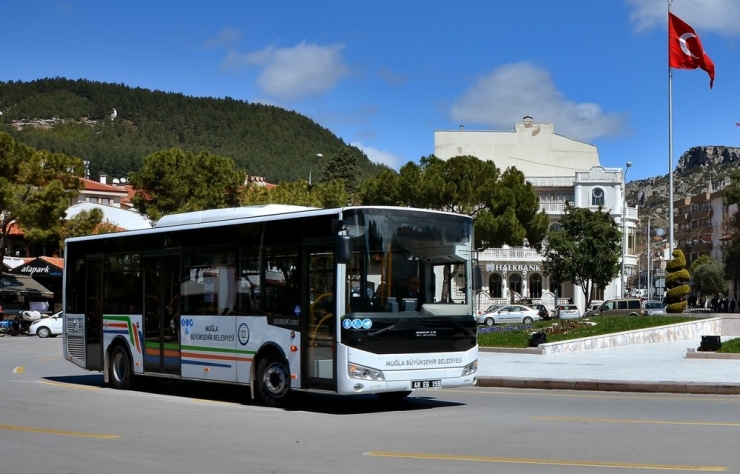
{"x": 364, "y": 373}
{"x": 471, "y": 368}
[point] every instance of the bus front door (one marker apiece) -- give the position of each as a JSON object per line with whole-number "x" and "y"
{"x": 161, "y": 314}
{"x": 319, "y": 325}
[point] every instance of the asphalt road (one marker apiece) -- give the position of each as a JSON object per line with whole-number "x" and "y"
{"x": 57, "y": 418}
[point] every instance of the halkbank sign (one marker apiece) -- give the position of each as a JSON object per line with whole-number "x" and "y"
{"x": 513, "y": 267}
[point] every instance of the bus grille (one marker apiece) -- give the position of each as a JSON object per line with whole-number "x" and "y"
{"x": 75, "y": 335}
{"x": 76, "y": 347}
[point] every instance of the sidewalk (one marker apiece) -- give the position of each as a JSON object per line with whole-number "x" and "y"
{"x": 652, "y": 367}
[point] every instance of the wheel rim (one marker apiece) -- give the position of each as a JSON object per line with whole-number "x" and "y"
{"x": 43, "y": 332}
{"x": 119, "y": 367}
{"x": 489, "y": 322}
{"x": 527, "y": 320}
{"x": 275, "y": 380}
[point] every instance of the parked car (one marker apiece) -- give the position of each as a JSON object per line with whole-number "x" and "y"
{"x": 48, "y": 327}
{"x": 567, "y": 311}
{"x": 543, "y": 311}
{"x": 514, "y": 313}
{"x": 650, "y": 308}
{"x": 491, "y": 308}
{"x": 625, "y": 306}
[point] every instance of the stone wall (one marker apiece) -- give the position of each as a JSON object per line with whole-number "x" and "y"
{"x": 674, "y": 332}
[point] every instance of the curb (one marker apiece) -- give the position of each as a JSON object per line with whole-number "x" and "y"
{"x": 693, "y": 354}
{"x": 610, "y": 386}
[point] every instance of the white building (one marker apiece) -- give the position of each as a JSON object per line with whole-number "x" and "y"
{"x": 560, "y": 169}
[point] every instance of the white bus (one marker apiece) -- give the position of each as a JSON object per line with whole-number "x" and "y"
{"x": 278, "y": 298}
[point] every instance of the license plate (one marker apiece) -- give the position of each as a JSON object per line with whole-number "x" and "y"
{"x": 421, "y": 384}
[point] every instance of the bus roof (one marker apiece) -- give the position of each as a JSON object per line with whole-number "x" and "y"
{"x": 218, "y": 217}
{"x": 215, "y": 215}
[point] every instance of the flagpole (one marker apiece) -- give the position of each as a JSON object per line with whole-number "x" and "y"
{"x": 670, "y": 147}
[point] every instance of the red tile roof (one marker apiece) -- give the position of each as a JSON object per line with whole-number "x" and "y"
{"x": 90, "y": 185}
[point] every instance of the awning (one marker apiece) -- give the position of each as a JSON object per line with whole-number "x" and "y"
{"x": 42, "y": 266}
{"x": 22, "y": 285}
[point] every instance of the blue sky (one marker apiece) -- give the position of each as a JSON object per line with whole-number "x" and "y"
{"x": 385, "y": 74}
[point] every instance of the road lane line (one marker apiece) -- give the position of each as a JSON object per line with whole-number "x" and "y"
{"x": 616, "y": 420}
{"x": 58, "y": 432}
{"x": 69, "y": 385}
{"x": 548, "y": 462}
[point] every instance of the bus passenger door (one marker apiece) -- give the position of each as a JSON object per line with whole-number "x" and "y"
{"x": 161, "y": 314}
{"x": 318, "y": 327}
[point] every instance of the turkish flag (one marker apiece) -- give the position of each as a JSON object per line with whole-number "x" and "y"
{"x": 684, "y": 48}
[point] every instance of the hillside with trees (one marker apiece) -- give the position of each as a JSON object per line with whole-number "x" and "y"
{"x": 76, "y": 118}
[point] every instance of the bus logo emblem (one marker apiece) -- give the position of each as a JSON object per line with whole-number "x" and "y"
{"x": 243, "y": 334}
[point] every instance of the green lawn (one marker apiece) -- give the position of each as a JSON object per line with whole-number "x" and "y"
{"x": 517, "y": 335}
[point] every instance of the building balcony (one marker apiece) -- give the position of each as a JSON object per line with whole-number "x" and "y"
{"x": 517, "y": 254}
{"x": 551, "y": 182}
{"x": 552, "y": 207}
{"x": 605, "y": 177}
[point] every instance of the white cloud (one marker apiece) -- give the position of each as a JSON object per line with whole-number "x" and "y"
{"x": 717, "y": 16}
{"x": 379, "y": 156}
{"x": 293, "y": 73}
{"x": 228, "y": 37}
{"x": 504, "y": 96}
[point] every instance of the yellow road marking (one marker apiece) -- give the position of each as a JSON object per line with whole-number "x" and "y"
{"x": 19, "y": 370}
{"x": 69, "y": 385}
{"x": 548, "y": 462}
{"x": 48, "y": 359}
{"x": 58, "y": 432}
{"x": 616, "y": 420}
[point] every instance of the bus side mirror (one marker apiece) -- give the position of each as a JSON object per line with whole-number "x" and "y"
{"x": 344, "y": 249}
{"x": 477, "y": 279}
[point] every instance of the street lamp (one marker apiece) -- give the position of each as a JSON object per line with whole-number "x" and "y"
{"x": 624, "y": 222}
{"x": 310, "y": 167}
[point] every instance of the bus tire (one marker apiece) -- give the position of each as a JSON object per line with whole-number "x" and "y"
{"x": 120, "y": 370}
{"x": 273, "y": 381}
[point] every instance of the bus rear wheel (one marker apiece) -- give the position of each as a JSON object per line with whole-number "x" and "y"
{"x": 119, "y": 370}
{"x": 273, "y": 381}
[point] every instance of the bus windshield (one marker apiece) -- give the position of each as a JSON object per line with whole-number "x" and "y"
{"x": 408, "y": 263}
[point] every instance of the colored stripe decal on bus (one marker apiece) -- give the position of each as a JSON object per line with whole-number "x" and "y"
{"x": 232, "y": 357}
{"x": 127, "y": 321}
{"x": 124, "y": 327}
{"x": 209, "y": 364}
{"x": 216, "y": 349}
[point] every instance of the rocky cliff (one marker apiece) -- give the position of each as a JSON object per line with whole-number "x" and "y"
{"x": 700, "y": 169}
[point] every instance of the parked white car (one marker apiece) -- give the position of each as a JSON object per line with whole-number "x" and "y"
{"x": 48, "y": 327}
{"x": 567, "y": 311}
{"x": 650, "y": 308}
{"x": 509, "y": 314}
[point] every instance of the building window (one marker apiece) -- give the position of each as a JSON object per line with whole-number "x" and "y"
{"x": 515, "y": 283}
{"x": 535, "y": 285}
{"x": 597, "y": 294}
{"x": 494, "y": 285}
{"x": 597, "y": 197}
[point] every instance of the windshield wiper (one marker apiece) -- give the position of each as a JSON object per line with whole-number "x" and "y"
{"x": 387, "y": 328}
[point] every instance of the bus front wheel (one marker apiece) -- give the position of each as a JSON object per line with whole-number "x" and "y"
{"x": 119, "y": 371}
{"x": 273, "y": 381}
